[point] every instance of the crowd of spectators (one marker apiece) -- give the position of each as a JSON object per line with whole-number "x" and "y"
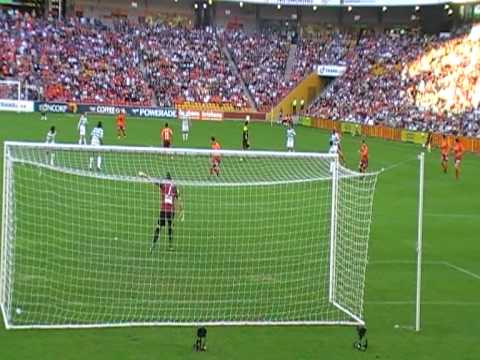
{"x": 73, "y": 60}
{"x": 261, "y": 58}
{"x": 188, "y": 65}
{"x": 85, "y": 61}
{"x": 408, "y": 80}
{"x": 323, "y": 47}
{"x": 397, "y": 78}
{"x": 446, "y": 78}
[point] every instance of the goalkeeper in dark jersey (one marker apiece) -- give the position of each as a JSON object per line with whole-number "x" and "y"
{"x": 169, "y": 201}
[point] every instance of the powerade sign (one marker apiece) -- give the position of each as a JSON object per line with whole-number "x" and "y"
{"x": 153, "y": 112}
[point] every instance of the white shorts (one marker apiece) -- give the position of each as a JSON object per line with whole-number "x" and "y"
{"x": 290, "y": 143}
{"x": 95, "y": 142}
{"x": 185, "y": 129}
{"x": 332, "y": 166}
{"x": 82, "y": 130}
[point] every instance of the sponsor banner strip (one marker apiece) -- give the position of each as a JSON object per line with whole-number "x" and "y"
{"x": 305, "y": 121}
{"x": 137, "y": 111}
{"x": 351, "y": 128}
{"x": 144, "y": 112}
{"x": 413, "y": 137}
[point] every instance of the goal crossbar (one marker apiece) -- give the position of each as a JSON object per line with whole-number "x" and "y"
{"x": 170, "y": 151}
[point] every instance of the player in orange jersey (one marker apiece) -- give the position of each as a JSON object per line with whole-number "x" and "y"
{"x": 121, "y": 127}
{"x": 166, "y": 135}
{"x": 458, "y": 151}
{"x": 362, "y": 167}
{"x": 216, "y": 159}
{"x": 444, "y": 149}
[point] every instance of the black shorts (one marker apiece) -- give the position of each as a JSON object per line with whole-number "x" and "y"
{"x": 166, "y": 144}
{"x": 165, "y": 216}
{"x": 245, "y": 144}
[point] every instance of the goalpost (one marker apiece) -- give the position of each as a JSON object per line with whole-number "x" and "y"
{"x": 276, "y": 239}
{"x": 10, "y": 90}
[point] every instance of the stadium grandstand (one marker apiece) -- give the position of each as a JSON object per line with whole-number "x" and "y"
{"x": 188, "y": 164}
{"x": 227, "y": 57}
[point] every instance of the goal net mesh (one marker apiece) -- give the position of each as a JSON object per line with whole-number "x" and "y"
{"x": 275, "y": 239}
{"x": 9, "y": 90}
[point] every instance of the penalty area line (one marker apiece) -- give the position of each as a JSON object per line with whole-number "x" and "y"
{"x": 462, "y": 270}
{"x": 439, "y": 303}
{"x": 427, "y": 262}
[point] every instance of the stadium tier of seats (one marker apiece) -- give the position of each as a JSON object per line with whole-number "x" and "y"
{"x": 73, "y": 60}
{"x": 408, "y": 80}
{"x": 325, "y": 47}
{"x": 187, "y": 65}
{"x": 397, "y": 78}
{"x": 261, "y": 59}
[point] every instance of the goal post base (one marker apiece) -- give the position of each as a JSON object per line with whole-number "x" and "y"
{"x": 358, "y": 321}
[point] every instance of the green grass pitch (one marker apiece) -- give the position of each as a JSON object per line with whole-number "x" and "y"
{"x": 451, "y": 276}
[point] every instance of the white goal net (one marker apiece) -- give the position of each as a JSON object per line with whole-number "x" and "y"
{"x": 275, "y": 238}
{"x": 10, "y": 90}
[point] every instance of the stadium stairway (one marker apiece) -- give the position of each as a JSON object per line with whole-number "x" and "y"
{"x": 308, "y": 90}
{"x": 143, "y": 70}
{"x": 235, "y": 70}
{"x": 290, "y": 61}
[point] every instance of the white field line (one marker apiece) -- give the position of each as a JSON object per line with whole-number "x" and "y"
{"x": 441, "y": 215}
{"x": 405, "y": 262}
{"x": 462, "y": 270}
{"x": 441, "y": 302}
{"x": 443, "y": 263}
{"x": 453, "y": 215}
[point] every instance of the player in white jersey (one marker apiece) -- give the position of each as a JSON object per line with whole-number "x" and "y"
{"x": 50, "y": 139}
{"x": 185, "y": 128}
{"x": 290, "y": 137}
{"x": 96, "y": 140}
{"x": 334, "y": 149}
{"x": 335, "y": 140}
{"x": 335, "y": 137}
{"x": 82, "y": 129}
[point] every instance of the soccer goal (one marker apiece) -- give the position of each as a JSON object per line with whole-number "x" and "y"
{"x": 276, "y": 238}
{"x": 10, "y": 90}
